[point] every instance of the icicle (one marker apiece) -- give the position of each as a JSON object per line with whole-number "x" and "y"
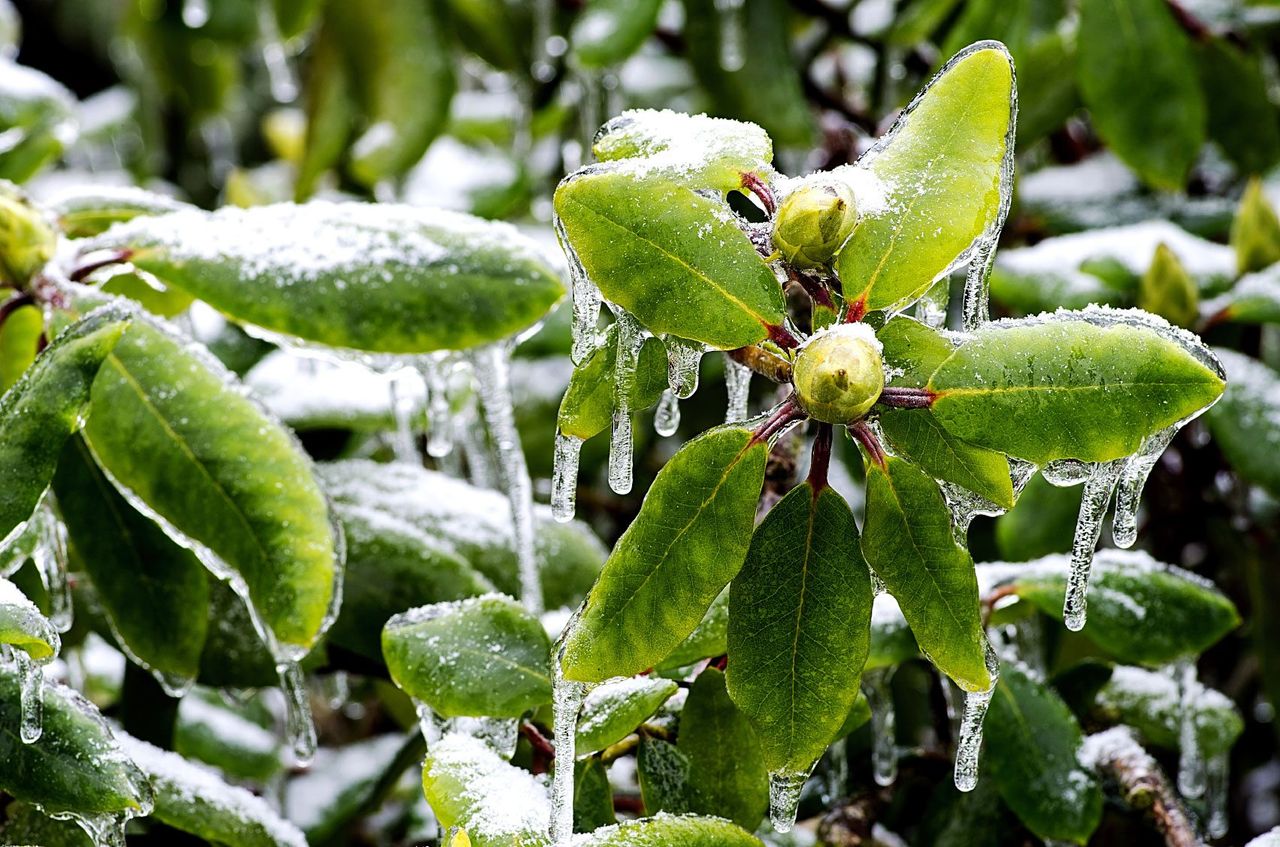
{"x": 666, "y": 418}
{"x": 435, "y": 376}
{"x": 630, "y": 340}
{"x": 50, "y": 559}
{"x": 683, "y": 359}
{"x": 564, "y": 476}
{"x": 1133, "y": 477}
{"x": 567, "y": 700}
{"x": 884, "y": 739}
{"x": 975, "y": 712}
{"x": 429, "y": 723}
{"x": 1093, "y": 508}
{"x": 737, "y": 380}
{"x": 31, "y": 674}
{"x": 931, "y": 309}
{"x": 481, "y": 469}
{"x": 837, "y": 775}
{"x": 732, "y": 34}
{"x": 784, "y": 798}
{"x": 300, "y": 728}
{"x": 1191, "y": 764}
{"x": 976, "y": 310}
{"x": 335, "y": 688}
{"x": 1216, "y": 786}
{"x": 402, "y": 408}
{"x": 104, "y": 830}
{"x": 493, "y": 377}
{"x": 195, "y": 13}
{"x": 586, "y": 301}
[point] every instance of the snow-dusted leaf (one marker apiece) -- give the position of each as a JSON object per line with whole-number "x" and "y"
{"x": 695, "y": 150}
{"x": 1167, "y": 290}
{"x": 41, "y": 411}
{"x": 153, "y": 591}
{"x": 89, "y": 210}
{"x": 175, "y": 430}
{"x": 799, "y": 627}
{"x": 22, "y": 627}
{"x": 1152, "y": 703}
{"x": 1255, "y": 299}
{"x": 587, "y": 407}
{"x": 907, "y": 540}
{"x": 1032, "y": 744}
{"x": 613, "y": 710}
{"x": 194, "y": 799}
{"x": 1090, "y": 385}
{"x": 210, "y": 731}
{"x": 727, "y": 775}
{"x": 1246, "y": 423}
{"x": 1255, "y": 232}
{"x": 945, "y": 169}
{"x": 19, "y": 342}
{"x": 608, "y": 31}
{"x": 375, "y": 277}
{"x": 470, "y": 786}
{"x": 689, "y": 539}
{"x": 1134, "y": 51}
{"x": 482, "y": 657}
{"x": 338, "y": 785}
{"x": 664, "y": 830}
{"x": 36, "y": 118}
{"x": 1140, "y": 610}
{"x": 663, "y": 773}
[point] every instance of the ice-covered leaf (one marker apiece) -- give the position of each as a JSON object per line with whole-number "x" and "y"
{"x": 470, "y": 786}
{"x": 1255, "y": 299}
{"x": 22, "y": 627}
{"x": 587, "y": 407}
{"x": 36, "y": 118}
{"x": 663, "y": 773}
{"x": 1135, "y": 51}
{"x": 592, "y": 796}
{"x": 695, "y": 150}
{"x": 945, "y": 169}
{"x": 194, "y": 799}
{"x": 24, "y": 825}
{"x": 710, "y": 638}
{"x": 672, "y": 257}
{"x": 663, "y": 830}
{"x": 41, "y": 411}
{"x": 212, "y": 732}
{"x": 482, "y": 657}
{"x": 1152, "y": 703}
{"x": 608, "y": 31}
{"x": 175, "y": 430}
{"x": 374, "y": 277}
{"x": 799, "y": 627}
{"x": 727, "y": 775}
{"x": 153, "y": 591}
{"x": 1140, "y": 610}
{"x": 19, "y": 342}
{"x": 1089, "y": 385}
{"x": 1255, "y": 232}
{"x": 1032, "y": 744}
{"x": 908, "y": 541}
{"x": 89, "y": 210}
{"x": 1246, "y": 423}
{"x": 613, "y": 710}
{"x": 689, "y": 539}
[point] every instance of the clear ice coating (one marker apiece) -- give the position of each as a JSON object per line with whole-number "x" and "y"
{"x": 492, "y": 366}
{"x": 683, "y": 360}
{"x": 50, "y": 559}
{"x": 931, "y": 308}
{"x": 666, "y": 418}
{"x": 1094, "y": 501}
{"x": 435, "y": 375}
{"x": 1215, "y": 795}
{"x": 402, "y": 406}
{"x": 429, "y": 723}
{"x": 567, "y": 697}
{"x": 884, "y": 738}
{"x": 1191, "y": 761}
{"x": 784, "y": 798}
{"x": 564, "y": 476}
{"x": 737, "y": 381}
{"x": 630, "y": 339}
{"x": 1124, "y": 523}
{"x": 969, "y": 746}
{"x": 300, "y": 728}
{"x": 31, "y": 674}
{"x": 586, "y": 302}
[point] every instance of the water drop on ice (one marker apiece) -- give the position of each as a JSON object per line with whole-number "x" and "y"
{"x": 784, "y": 798}
{"x": 969, "y": 745}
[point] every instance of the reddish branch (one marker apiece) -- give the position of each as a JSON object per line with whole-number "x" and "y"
{"x": 99, "y": 260}
{"x": 781, "y": 336}
{"x": 762, "y": 362}
{"x": 544, "y": 752}
{"x": 820, "y": 461}
{"x": 864, "y": 435}
{"x": 814, "y": 287}
{"x": 787, "y": 413}
{"x": 757, "y": 186}
{"x": 907, "y": 398}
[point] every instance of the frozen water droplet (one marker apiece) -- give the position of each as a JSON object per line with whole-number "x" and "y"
{"x": 983, "y": 255}
{"x": 300, "y": 728}
{"x": 435, "y": 376}
{"x": 683, "y": 360}
{"x": 567, "y": 697}
{"x": 969, "y": 746}
{"x": 1065, "y": 473}
{"x": 737, "y": 380}
{"x": 31, "y": 674}
{"x": 1093, "y": 508}
{"x": 564, "y": 477}
{"x": 784, "y": 798}
{"x": 931, "y": 308}
{"x": 586, "y": 301}
{"x": 630, "y": 339}
{"x": 884, "y": 735}
{"x": 1191, "y": 763}
{"x": 402, "y": 408}
{"x": 1124, "y": 526}
{"x": 493, "y": 379}
{"x": 666, "y": 418}
{"x": 732, "y": 34}
{"x": 105, "y": 830}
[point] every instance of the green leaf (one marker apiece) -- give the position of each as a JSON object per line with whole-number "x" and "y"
{"x": 710, "y": 638}
{"x": 498, "y": 804}
{"x": 375, "y": 277}
{"x": 907, "y": 540}
{"x": 942, "y": 169}
{"x": 799, "y": 627}
{"x": 492, "y": 29}
{"x": 592, "y": 796}
{"x": 1140, "y": 611}
{"x": 154, "y": 592}
{"x": 670, "y": 256}
{"x": 858, "y": 715}
{"x": 37, "y": 118}
{"x": 727, "y": 775}
{"x": 664, "y": 830}
{"x": 612, "y": 711}
{"x": 1246, "y": 422}
{"x": 149, "y": 292}
{"x": 1092, "y": 388}
{"x": 587, "y": 407}
{"x": 1255, "y": 232}
{"x": 663, "y": 773}
{"x": 90, "y": 210}
{"x": 1242, "y": 119}
{"x": 1047, "y": 93}
{"x": 483, "y": 657}
{"x": 24, "y": 826}
{"x": 693, "y": 150}
{"x": 173, "y": 428}
{"x": 208, "y": 731}
{"x": 75, "y": 767}
{"x": 24, "y": 628}
{"x": 1151, "y": 702}
{"x": 689, "y": 539}
{"x": 330, "y": 104}
{"x": 19, "y": 341}
{"x": 608, "y": 31}
{"x": 1042, "y": 522}
{"x": 41, "y": 411}
{"x": 196, "y": 800}
{"x": 1167, "y": 290}
{"x": 916, "y": 435}
{"x": 1133, "y": 51}
{"x": 919, "y": 20}
{"x": 1033, "y": 742}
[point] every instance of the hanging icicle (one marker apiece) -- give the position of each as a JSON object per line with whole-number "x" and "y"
{"x": 1124, "y": 526}
{"x": 1093, "y": 509}
{"x": 666, "y": 418}
{"x": 403, "y": 446}
{"x": 969, "y": 746}
{"x": 631, "y": 337}
{"x": 567, "y": 700}
{"x": 737, "y": 380}
{"x": 877, "y": 686}
{"x": 564, "y": 477}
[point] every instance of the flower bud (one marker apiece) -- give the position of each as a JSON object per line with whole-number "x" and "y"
{"x": 839, "y": 374}
{"x": 814, "y": 221}
{"x": 27, "y": 239}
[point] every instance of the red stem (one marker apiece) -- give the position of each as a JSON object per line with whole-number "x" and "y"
{"x": 907, "y": 398}
{"x": 115, "y": 257}
{"x": 814, "y": 287}
{"x": 857, "y": 310}
{"x": 753, "y": 183}
{"x": 820, "y": 462}
{"x": 781, "y": 336}
{"x": 785, "y": 414}
{"x": 864, "y": 436}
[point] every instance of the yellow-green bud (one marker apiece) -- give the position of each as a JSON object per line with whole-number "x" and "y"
{"x": 814, "y": 221}
{"x": 839, "y": 374}
{"x": 27, "y": 239}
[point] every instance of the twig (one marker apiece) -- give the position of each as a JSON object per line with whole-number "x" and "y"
{"x": 1143, "y": 785}
{"x": 820, "y": 461}
{"x": 864, "y": 436}
{"x": 907, "y": 398}
{"x": 762, "y": 362}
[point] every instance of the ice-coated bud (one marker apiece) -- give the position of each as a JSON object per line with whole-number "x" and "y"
{"x": 27, "y": 239}
{"x": 814, "y": 221}
{"x": 839, "y": 374}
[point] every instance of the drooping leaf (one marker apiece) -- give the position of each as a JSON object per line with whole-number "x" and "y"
{"x": 663, "y": 830}
{"x": 592, "y": 796}
{"x": 908, "y": 542}
{"x": 498, "y": 804}
{"x": 483, "y": 657}
{"x": 613, "y": 710}
{"x": 727, "y": 775}
{"x": 1255, "y": 231}
{"x": 799, "y": 627}
{"x": 41, "y": 411}
{"x": 608, "y": 31}
{"x": 587, "y": 407}
{"x": 1133, "y": 51}
{"x": 1091, "y": 388}
{"x": 942, "y": 170}
{"x": 689, "y": 539}
{"x": 1152, "y": 703}
{"x": 1032, "y": 744}
{"x": 380, "y": 278}
{"x": 663, "y": 773}
{"x": 91, "y": 210}
{"x": 1246, "y": 423}
{"x": 1242, "y": 119}
{"x": 22, "y": 627}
